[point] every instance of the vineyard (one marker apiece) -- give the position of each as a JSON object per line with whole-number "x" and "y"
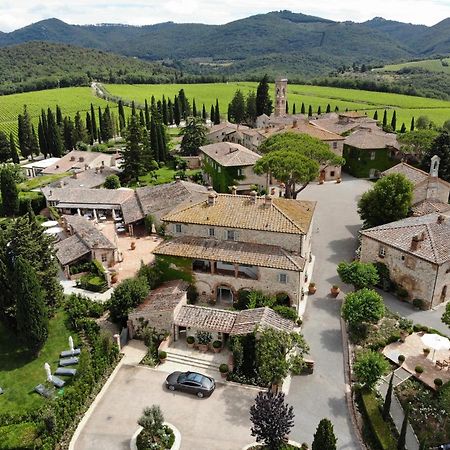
{"x": 70, "y": 100}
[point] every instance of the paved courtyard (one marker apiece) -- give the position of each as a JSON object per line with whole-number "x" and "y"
{"x": 220, "y": 422}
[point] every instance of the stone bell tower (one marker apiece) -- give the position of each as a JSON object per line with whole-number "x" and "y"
{"x": 280, "y": 96}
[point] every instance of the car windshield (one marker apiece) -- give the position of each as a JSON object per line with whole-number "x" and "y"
{"x": 196, "y": 378}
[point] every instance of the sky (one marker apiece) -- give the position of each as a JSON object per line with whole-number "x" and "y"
{"x": 18, "y": 13}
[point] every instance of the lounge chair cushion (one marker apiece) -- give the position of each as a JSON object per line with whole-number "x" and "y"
{"x": 58, "y": 382}
{"x": 65, "y": 371}
{"x": 68, "y": 361}
{"x": 42, "y": 390}
{"x": 68, "y": 353}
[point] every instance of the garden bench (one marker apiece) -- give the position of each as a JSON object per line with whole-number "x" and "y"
{"x": 68, "y": 361}
{"x": 57, "y": 382}
{"x": 65, "y": 371}
{"x": 42, "y": 390}
{"x": 69, "y": 353}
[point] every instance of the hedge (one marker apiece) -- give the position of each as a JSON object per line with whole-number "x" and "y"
{"x": 380, "y": 429}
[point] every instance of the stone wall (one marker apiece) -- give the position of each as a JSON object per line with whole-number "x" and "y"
{"x": 431, "y": 188}
{"x": 415, "y": 275}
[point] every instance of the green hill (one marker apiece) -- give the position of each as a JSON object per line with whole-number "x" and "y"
{"x": 42, "y": 65}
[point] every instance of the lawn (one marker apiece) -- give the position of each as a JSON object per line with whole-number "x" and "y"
{"x": 406, "y": 106}
{"x": 164, "y": 174}
{"x": 433, "y": 65}
{"x": 70, "y": 100}
{"x": 20, "y": 372}
{"x": 40, "y": 181}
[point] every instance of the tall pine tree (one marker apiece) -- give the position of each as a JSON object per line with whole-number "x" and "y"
{"x": 384, "y": 118}
{"x": 165, "y": 112}
{"x": 54, "y": 136}
{"x": 302, "y": 110}
{"x": 5, "y": 150}
{"x": 94, "y": 123}
{"x": 24, "y": 133}
{"x": 147, "y": 115}
{"x": 176, "y": 111}
{"x": 411, "y": 128}
{"x": 388, "y": 398}
{"x": 10, "y": 194}
{"x": 263, "y": 101}
{"x": 13, "y": 149}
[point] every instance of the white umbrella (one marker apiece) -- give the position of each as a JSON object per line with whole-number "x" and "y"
{"x": 71, "y": 344}
{"x": 53, "y": 230}
{"x": 49, "y": 223}
{"x": 436, "y": 342}
{"x": 48, "y": 371}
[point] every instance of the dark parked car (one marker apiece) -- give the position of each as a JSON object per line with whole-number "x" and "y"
{"x": 191, "y": 382}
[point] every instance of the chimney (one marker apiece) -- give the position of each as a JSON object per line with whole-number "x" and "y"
{"x": 210, "y": 188}
{"x": 75, "y": 175}
{"x": 234, "y": 190}
{"x": 253, "y": 197}
{"x": 434, "y": 167}
{"x": 268, "y": 201}
{"x": 440, "y": 219}
{"x": 415, "y": 243}
{"x": 177, "y": 178}
{"x": 212, "y": 199}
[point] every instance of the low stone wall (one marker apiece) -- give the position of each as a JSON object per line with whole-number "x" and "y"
{"x": 176, "y": 445}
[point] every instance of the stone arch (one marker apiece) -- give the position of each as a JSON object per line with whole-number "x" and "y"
{"x": 283, "y": 298}
{"x": 219, "y": 293}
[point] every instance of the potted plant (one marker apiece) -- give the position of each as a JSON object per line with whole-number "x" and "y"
{"x": 438, "y": 383}
{"x": 401, "y": 359}
{"x": 419, "y": 370}
{"x": 338, "y": 180}
{"x": 217, "y": 346}
{"x": 203, "y": 340}
{"x": 162, "y": 355}
{"x": 190, "y": 341}
{"x": 312, "y": 288}
{"x": 426, "y": 352}
{"x": 133, "y": 245}
{"x": 223, "y": 369}
{"x": 335, "y": 290}
{"x": 114, "y": 277}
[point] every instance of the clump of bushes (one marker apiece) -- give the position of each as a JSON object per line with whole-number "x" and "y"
{"x": 154, "y": 435}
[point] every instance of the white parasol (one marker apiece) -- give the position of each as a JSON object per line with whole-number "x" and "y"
{"x": 48, "y": 372}
{"x": 71, "y": 344}
{"x": 436, "y": 342}
{"x": 49, "y": 223}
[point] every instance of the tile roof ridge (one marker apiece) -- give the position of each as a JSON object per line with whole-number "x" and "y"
{"x": 287, "y": 254}
{"x": 274, "y": 205}
{"x": 432, "y": 242}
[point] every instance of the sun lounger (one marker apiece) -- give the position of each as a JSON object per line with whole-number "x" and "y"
{"x": 442, "y": 364}
{"x": 58, "y": 382}
{"x": 68, "y": 361}
{"x": 65, "y": 371}
{"x": 42, "y": 390}
{"x": 68, "y": 353}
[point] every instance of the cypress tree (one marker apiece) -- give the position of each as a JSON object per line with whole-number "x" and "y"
{"x": 34, "y": 144}
{"x": 319, "y": 111}
{"x": 133, "y": 108}
{"x": 194, "y": 108}
{"x": 212, "y": 114}
{"x": 154, "y": 142}
{"x": 134, "y": 159}
{"x": 107, "y": 125}
{"x": 170, "y": 111}
{"x": 79, "y": 132}
{"x": 411, "y": 128}
{"x": 165, "y": 113}
{"x": 402, "y": 438}
{"x": 10, "y": 194}
{"x": 147, "y": 115}
{"x": 161, "y": 144}
{"x": 394, "y": 121}
{"x": 68, "y": 133}
{"x": 336, "y": 108}
{"x": 263, "y": 101}
{"x": 89, "y": 128}
{"x": 31, "y": 313}
{"x": 287, "y": 107}
{"x": 13, "y": 149}
{"x": 100, "y": 125}
{"x": 121, "y": 116}
{"x": 384, "y": 118}
{"x": 55, "y": 142}
{"x": 324, "y": 438}
{"x": 42, "y": 139}
{"x": 217, "y": 113}
{"x": 229, "y": 112}
{"x": 99, "y": 137}
{"x": 176, "y": 111}
{"x": 403, "y": 128}
{"x": 5, "y": 150}
{"x": 310, "y": 111}
{"x": 302, "y": 110}
{"x": 159, "y": 111}
{"x": 203, "y": 112}
{"x": 328, "y": 109}
{"x": 293, "y": 109}
{"x": 94, "y": 123}
{"x": 59, "y": 117}
{"x": 388, "y": 399}
{"x": 142, "y": 119}
{"x": 375, "y": 115}
{"x": 24, "y": 133}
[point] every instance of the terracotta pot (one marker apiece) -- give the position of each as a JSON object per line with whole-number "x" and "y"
{"x": 133, "y": 245}
{"x": 217, "y": 350}
{"x": 190, "y": 345}
{"x": 312, "y": 289}
{"x": 335, "y": 291}
{"x": 203, "y": 347}
{"x": 162, "y": 360}
{"x": 114, "y": 278}
{"x": 338, "y": 180}
{"x": 224, "y": 374}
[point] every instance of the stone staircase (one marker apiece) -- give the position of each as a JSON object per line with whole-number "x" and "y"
{"x": 194, "y": 361}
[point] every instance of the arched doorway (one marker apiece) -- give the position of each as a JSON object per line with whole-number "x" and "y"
{"x": 224, "y": 295}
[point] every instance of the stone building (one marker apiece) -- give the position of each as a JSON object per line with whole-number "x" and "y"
{"x": 236, "y": 242}
{"x": 225, "y": 165}
{"x": 431, "y": 193}
{"x": 219, "y": 132}
{"x": 416, "y": 251}
{"x": 280, "y": 96}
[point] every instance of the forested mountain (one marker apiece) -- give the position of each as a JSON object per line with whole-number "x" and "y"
{"x": 43, "y": 65}
{"x": 296, "y": 45}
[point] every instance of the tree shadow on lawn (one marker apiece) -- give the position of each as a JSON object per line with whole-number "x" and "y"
{"x": 12, "y": 354}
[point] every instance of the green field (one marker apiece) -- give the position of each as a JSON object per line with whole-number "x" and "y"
{"x": 20, "y": 373}
{"x": 433, "y": 65}
{"x": 70, "y": 100}
{"x": 406, "y": 106}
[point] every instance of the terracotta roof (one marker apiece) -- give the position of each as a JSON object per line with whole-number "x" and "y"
{"x": 78, "y": 160}
{"x": 434, "y": 246}
{"x": 430, "y": 206}
{"x": 88, "y": 233}
{"x": 415, "y": 175}
{"x": 87, "y": 179}
{"x": 165, "y": 298}
{"x": 207, "y": 319}
{"x": 228, "y": 154}
{"x": 371, "y": 138}
{"x": 250, "y": 320}
{"x": 332, "y": 123}
{"x": 84, "y": 196}
{"x": 304, "y": 127}
{"x": 239, "y": 211}
{"x": 231, "y": 252}
{"x": 232, "y": 322}
{"x": 70, "y": 250}
{"x": 353, "y": 115}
